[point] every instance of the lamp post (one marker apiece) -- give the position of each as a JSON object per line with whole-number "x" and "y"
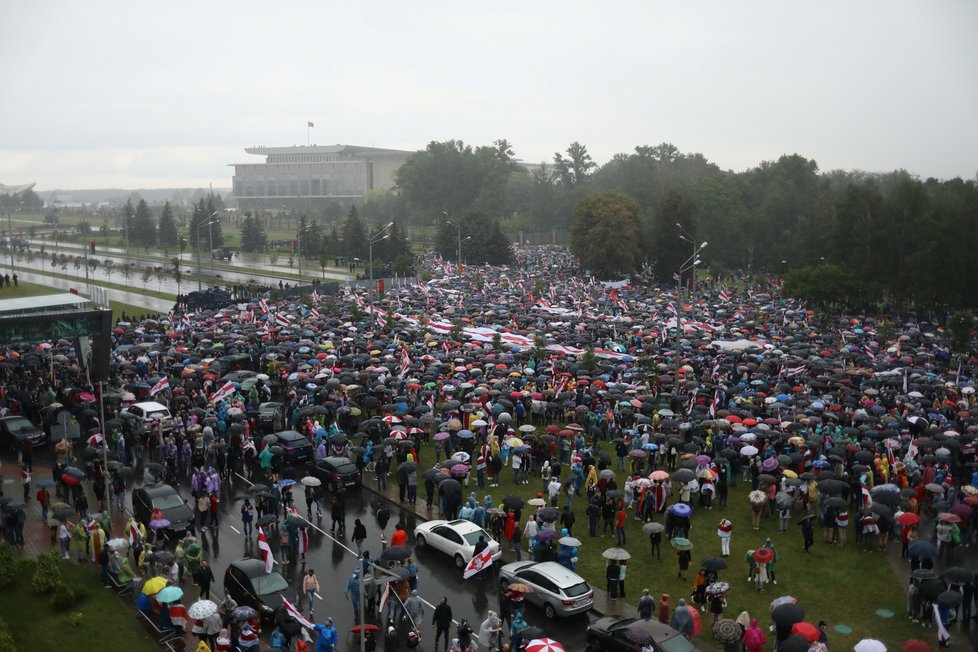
{"x": 197, "y": 244}
{"x": 688, "y": 265}
{"x": 105, "y": 447}
{"x": 458, "y": 257}
{"x": 210, "y": 232}
{"x": 377, "y": 237}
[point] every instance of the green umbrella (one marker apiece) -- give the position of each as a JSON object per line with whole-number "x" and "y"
{"x": 682, "y": 543}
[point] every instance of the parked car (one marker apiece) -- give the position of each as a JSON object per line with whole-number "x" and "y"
{"x": 608, "y": 635}
{"x": 558, "y": 590}
{"x": 175, "y": 509}
{"x": 16, "y": 431}
{"x": 297, "y": 446}
{"x": 271, "y": 417}
{"x": 246, "y": 581}
{"x": 336, "y": 472}
{"x": 456, "y": 539}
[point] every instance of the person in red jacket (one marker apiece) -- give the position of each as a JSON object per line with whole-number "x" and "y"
{"x": 399, "y": 538}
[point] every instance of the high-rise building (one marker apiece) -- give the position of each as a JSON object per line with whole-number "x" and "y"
{"x": 311, "y": 177}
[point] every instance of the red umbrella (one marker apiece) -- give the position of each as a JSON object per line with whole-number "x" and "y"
{"x": 971, "y": 500}
{"x": 807, "y": 630}
{"x": 908, "y": 518}
{"x": 763, "y": 555}
{"x": 369, "y": 627}
{"x": 948, "y": 517}
{"x": 916, "y": 645}
{"x": 544, "y": 645}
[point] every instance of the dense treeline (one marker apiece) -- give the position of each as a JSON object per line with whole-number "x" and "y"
{"x": 893, "y": 237}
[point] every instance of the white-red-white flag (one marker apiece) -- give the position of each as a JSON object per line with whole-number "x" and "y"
{"x": 96, "y": 439}
{"x": 314, "y": 313}
{"x": 405, "y": 362}
{"x": 282, "y": 319}
{"x": 295, "y": 613}
{"x": 303, "y": 541}
{"x": 164, "y": 383}
{"x": 222, "y": 393}
{"x": 266, "y": 551}
{"x": 263, "y": 306}
{"x": 479, "y": 562}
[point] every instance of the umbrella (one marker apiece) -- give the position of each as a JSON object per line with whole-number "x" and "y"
{"x": 683, "y": 475}
{"x": 536, "y": 502}
{"x": 923, "y": 549}
{"x": 519, "y": 587}
{"x": 617, "y": 554}
{"x": 169, "y": 594}
{"x": 682, "y": 543}
{"x": 63, "y": 513}
{"x": 243, "y": 612}
{"x": 807, "y": 630}
{"x": 908, "y": 518}
{"x": 681, "y": 509}
{"x": 727, "y": 631}
{"x": 285, "y": 482}
{"x": 787, "y": 614}
{"x": 930, "y": 589}
{"x": 546, "y": 535}
{"x": 513, "y": 502}
{"x": 916, "y": 645}
{"x": 957, "y": 574}
{"x": 950, "y": 599}
{"x": 716, "y": 588}
{"x": 532, "y": 632}
{"x": 763, "y": 555}
{"x": 548, "y": 514}
{"x": 202, "y": 609}
{"x": 713, "y": 564}
{"x": 545, "y": 645}
{"x": 652, "y": 528}
{"x": 756, "y": 497}
{"x": 869, "y": 645}
{"x": 310, "y": 481}
{"x": 118, "y": 544}
{"x": 784, "y": 599}
{"x": 638, "y": 635}
{"x": 794, "y": 643}
{"x": 164, "y": 557}
{"x": 153, "y": 585}
{"x": 267, "y": 519}
{"x": 659, "y": 475}
{"x": 570, "y": 541}
{"x": 159, "y": 523}
{"x": 369, "y": 627}
{"x": 948, "y": 517}
{"x": 395, "y": 553}
{"x": 257, "y": 488}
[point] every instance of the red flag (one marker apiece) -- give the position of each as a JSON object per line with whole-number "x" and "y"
{"x": 479, "y": 562}
{"x": 266, "y": 551}
{"x": 222, "y": 393}
{"x": 303, "y": 541}
{"x": 160, "y": 386}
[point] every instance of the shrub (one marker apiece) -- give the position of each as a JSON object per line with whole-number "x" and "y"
{"x": 63, "y": 597}
{"x": 76, "y": 618}
{"x": 8, "y": 565}
{"x": 6, "y": 638}
{"x": 47, "y": 571}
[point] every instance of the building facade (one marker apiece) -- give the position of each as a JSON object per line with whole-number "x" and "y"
{"x": 311, "y": 177}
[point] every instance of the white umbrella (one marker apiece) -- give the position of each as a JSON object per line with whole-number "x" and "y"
{"x": 617, "y": 554}
{"x": 869, "y": 645}
{"x": 748, "y": 451}
{"x": 310, "y": 481}
{"x": 202, "y": 609}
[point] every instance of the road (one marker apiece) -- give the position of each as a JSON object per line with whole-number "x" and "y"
{"x": 333, "y": 560}
{"x": 154, "y": 304}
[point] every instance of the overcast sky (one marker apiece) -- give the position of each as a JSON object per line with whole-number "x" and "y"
{"x": 139, "y": 95}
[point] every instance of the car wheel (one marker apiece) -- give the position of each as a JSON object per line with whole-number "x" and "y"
{"x": 419, "y": 541}
{"x": 459, "y": 561}
{"x": 549, "y": 611}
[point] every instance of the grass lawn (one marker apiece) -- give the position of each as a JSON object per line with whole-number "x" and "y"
{"x": 27, "y": 290}
{"x": 841, "y": 585}
{"x": 107, "y": 624}
{"x": 129, "y": 309}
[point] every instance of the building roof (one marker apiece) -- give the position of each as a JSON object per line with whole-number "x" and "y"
{"x": 14, "y": 190}
{"x": 324, "y": 149}
{"x": 41, "y": 304}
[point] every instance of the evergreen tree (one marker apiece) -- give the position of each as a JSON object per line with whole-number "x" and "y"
{"x": 253, "y": 236}
{"x": 128, "y": 222}
{"x": 355, "y": 242}
{"x": 143, "y": 232}
{"x": 168, "y": 227}
{"x": 215, "y": 211}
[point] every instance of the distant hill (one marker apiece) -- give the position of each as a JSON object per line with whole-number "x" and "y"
{"x": 181, "y": 196}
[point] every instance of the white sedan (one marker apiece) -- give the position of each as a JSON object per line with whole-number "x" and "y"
{"x": 454, "y": 538}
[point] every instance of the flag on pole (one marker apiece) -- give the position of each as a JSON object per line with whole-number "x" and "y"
{"x": 222, "y": 393}
{"x": 303, "y": 541}
{"x": 867, "y": 497}
{"x": 160, "y": 386}
{"x": 724, "y": 295}
{"x": 282, "y": 319}
{"x": 266, "y": 551}
{"x": 405, "y": 362}
{"x": 134, "y": 533}
{"x": 96, "y": 439}
{"x": 713, "y": 404}
{"x": 295, "y": 613}
{"x": 314, "y": 313}
{"x": 315, "y": 296}
{"x": 943, "y": 636}
{"x": 478, "y": 563}
{"x": 263, "y": 306}
{"x": 385, "y": 597}
{"x": 310, "y": 124}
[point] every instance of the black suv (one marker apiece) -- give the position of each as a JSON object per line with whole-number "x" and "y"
{"x": 16, "y": 431}
{"x": 175, "y": 509}
{"x": 336, "y": 472}
{"x": 248, "y": 584}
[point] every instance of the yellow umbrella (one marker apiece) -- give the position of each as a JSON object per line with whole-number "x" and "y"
{"x": 513, "y": 442}
{"x": 153, "y": 586}
{"x": 789, "y": 473}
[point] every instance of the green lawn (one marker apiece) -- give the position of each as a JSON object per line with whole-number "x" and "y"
{"x": 26, "y": 290}
{"x": 841, "y": 585}
{"x": 108, "y": 623}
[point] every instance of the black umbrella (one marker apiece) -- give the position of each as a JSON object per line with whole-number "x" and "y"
{"x": 257, "y": 488}
{"x": 395, "y": 553}
{"x": 513, "y": 502}
{"x": 530, "y": 633}
{"x": 950, "y": 599}
{"x": 408, "y": 467}
{"x": 450, "y": 487}
{"x": 267, "y": 519}
{"x": 713, "y": 564}
{"x": 930, "y": 589}
{"x": 63, "y": 513}
{"x": 548, "y": 514}
{"x": 683, "y": 475}
{"x": 794, "y": 643}
{"x": 786, "y": 615}
{"x": 164, "y": 557}
{"x": 958, "y": 574}
{"x": 431, "y": 473}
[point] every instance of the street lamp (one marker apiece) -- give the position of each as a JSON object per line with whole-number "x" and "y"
{"x": 459, "y": 227}
{"x": 688, "y": 265}
{"x": 197, "y": 242}
{"x": 298, "y": 238}
{"x": 210, "y": 232}
{"x": 377, "y": 237}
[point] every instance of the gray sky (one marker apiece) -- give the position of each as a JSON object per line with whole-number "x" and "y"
{"x": 133, "y": 94}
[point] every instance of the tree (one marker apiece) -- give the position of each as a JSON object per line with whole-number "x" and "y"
{"x": 482, "y": 241}
{"x": 147, "y": 275}
{"x": 355, "y": 243}
{"x": 143, "y": 233}
{"x": 168, "y": 227}
{"x": 253, "y": 238}
{"x": 959, "y": 327}
{"x": 669, "y": 249}
{"x": 128, "y": 224}
{"x": 84, "y": 227}
{"x": 576, "y": 168}
{"x": 606, "y": 233}
{"x": 177, "y": 272}
{"x": 312, "y": 237}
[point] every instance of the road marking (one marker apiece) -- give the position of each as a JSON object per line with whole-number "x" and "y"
{"x": 235, "y": 529}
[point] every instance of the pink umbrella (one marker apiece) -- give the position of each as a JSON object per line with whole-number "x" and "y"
{"x": 544, "y": 645}
{"x": 441, "y": 436}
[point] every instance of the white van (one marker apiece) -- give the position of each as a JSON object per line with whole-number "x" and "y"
{"x": 149, "y": 411}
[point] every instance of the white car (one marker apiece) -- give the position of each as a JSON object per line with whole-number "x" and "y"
{"x": 454, "y": 538}
{"x": 559, "y": 591}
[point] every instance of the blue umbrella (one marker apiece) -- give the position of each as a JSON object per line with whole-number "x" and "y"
{"x": 44, "y": 484}
{"x": 681, "y": 509}
{"x": 287, "y": 482}
{"x": 924, "y": 549}
{"x": 465, "y": 434}
{"x": 169, "y": 594}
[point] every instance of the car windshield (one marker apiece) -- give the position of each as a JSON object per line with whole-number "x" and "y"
{"x": 269, "y": 583}
{"x": 157, "y": 414}
{"x": 168, "y": 501}
{"x": 624, "y": 622}
{"x": 472, "y": 537}
{"x": 577, "y": 590}
{"x": 343, "y": 469}
{"x": 19, "y": 425}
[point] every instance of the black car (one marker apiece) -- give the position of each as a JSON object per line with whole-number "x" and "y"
{"x": 297, "y": 446}
{"x": 175, "y": 509}
{"x": 609, "y": 635}
{"x": 271, "y": 417}
{"x": 336, "y": 472}
{"x": 16, "y": 431}
{"x": 248, "y": 584}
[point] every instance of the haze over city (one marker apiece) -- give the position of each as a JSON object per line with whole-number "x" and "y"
{"x": 111, "y": 94}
